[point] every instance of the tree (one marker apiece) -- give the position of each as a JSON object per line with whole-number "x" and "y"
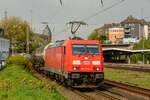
{"x": 37, "y": 41}
{"x": 138, "y": 57}
{"x": 97, "y": 36}
{"x": 15, "y": 29}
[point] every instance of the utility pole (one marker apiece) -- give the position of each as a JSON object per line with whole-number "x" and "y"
{"x": 1, "y": 15}
{"x": 5, "y": 14}
{"x": 143, "y": 47}
{"x": 31, "y": 12}
{"x": 27, "y": 40}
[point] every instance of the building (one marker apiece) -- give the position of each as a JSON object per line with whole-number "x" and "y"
{"x": 135, "y": 28}
{"x": 104, "y": 30}
{"x": 116, "y": 35}
{"x": 4, "y": 48}
{"x": 148, "y": 29}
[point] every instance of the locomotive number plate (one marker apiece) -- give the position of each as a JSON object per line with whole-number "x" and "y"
{"x": 86, "y": 62}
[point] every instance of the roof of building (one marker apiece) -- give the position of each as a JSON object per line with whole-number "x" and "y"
{"x": 126, "y": 50}
{"x": 131, "y": 19}
{"x": 2, "y": 38}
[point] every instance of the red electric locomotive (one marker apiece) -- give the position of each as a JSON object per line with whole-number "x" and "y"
{"x": 75, "y": 62}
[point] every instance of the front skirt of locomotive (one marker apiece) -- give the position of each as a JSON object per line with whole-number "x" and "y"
{"x": 86, "y": 79}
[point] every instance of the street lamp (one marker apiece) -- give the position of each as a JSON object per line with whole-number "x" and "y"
{"x": 143, "y": 46}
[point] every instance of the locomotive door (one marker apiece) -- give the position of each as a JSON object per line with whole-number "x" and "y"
{"x": 62, "y": 58}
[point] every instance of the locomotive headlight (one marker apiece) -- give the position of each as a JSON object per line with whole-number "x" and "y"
{"x": 97, "y": 69}
{"x": 75, "y": 68}
{"x": 96, "y": 62}
{"x": 76, "y": 62}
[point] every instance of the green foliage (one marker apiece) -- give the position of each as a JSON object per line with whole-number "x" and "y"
{"x": 97, "y": 36}
{"x": 135, "y": 58}
{"x": 36, "y": 42}
{"x": 18, "y": 84}
{"x": 16, "y": 30}
{"x": 18, "y": 60}
{"x": 138, "y": 57}
{"x": 140, "y": 79}
{"x": 139, "y": 45}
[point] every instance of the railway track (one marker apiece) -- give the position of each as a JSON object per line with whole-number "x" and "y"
{"x": 67, "y": 93}
{"x": 110, "y": 90}
{"x": 132, "y": 67}
{"x": 71, "y": 93}
{"x": 108, "y": 95}
{"x": 84, "y": 95}
{"x": 128, "y": 91}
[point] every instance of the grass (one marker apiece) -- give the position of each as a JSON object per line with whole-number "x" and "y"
{"x": 18, "y": 84}
{"x": 140, "y": 79}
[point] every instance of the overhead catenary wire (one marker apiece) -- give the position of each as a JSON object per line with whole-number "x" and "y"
{"x": 55, "y": 14}
{"x": 103, "y": 10}
{"x": 97, "y": 13}
{"x": 53, "y": 17}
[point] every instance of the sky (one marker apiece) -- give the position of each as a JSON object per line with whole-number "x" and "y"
{"x": 57, "y": 16}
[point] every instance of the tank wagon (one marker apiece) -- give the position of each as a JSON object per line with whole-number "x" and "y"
{"x": 76, "y": 63}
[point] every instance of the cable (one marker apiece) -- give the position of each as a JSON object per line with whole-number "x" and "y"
{"x": 97, "y": 13}
{"x": 103, "y": 10}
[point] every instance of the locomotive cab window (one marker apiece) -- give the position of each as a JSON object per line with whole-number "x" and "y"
{"x": 78, "y": 49}
{"x": 85, "y": 49}
{"x": 92, "y": 49}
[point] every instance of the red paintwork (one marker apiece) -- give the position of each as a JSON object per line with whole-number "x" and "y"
{"x": 56, "y": 59}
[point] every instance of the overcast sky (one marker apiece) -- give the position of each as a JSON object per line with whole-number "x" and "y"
{"x": 57, "y": 16}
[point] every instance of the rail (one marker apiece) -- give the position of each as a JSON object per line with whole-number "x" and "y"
{"x": 139, "y": 90}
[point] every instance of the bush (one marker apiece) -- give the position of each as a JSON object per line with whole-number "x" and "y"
{"x": 19, "y": 60}
{"x": 135, "y": 58}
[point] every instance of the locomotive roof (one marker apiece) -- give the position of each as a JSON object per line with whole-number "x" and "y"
{"x": 61, "y": 42}
{"x": 56, "y": 43}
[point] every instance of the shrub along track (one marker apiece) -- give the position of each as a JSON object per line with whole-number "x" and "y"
{"x": 107, "y": 91}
